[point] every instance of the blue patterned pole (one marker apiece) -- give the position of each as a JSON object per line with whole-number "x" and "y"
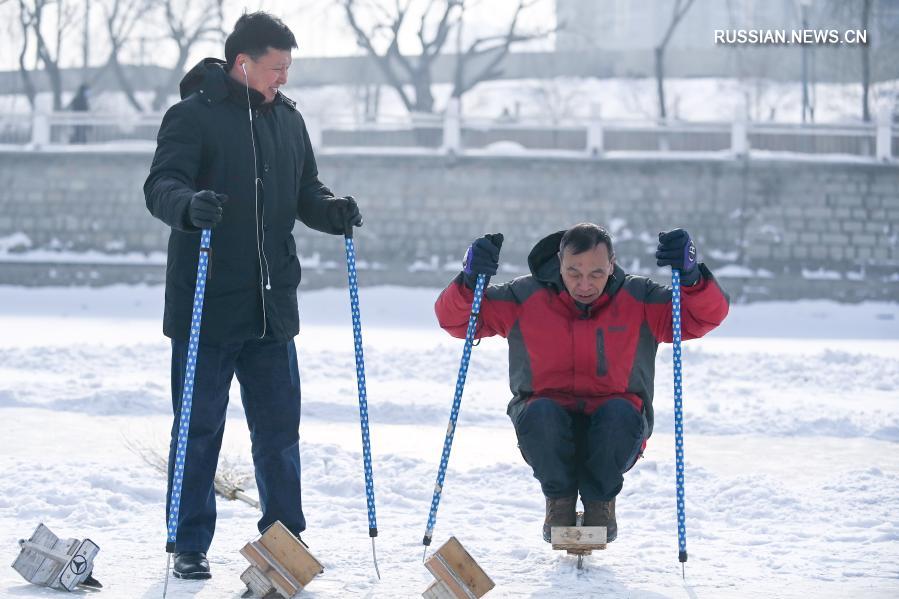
{"x": 454, "y": 413}
{"x": 678, "y": 416}
{"x": 363, "y": 397}
{"x": 187, "y": 394}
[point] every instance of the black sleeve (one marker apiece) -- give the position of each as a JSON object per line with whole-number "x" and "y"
{"x": 315, "y": 198}
{"x": 173, "y": 174}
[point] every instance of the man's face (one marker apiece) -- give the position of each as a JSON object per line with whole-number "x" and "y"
{"x": 585, "y": 274}
{"x": 266, "y": 74}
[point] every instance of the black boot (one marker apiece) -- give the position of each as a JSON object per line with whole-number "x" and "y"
{"x": 559, "y": 512}
{"x": 192, "y": 565}
{"x": 601, "y": 513}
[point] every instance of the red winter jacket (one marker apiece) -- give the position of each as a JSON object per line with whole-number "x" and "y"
{"x": 582, "y": 358}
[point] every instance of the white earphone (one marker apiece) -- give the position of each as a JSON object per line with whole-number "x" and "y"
{"x": 264, "y": 275}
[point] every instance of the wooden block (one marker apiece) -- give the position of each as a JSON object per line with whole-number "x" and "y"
{"x": 291, "y": 553}
{"x": 36, "y": 568}
{"x": 457, "y": 573}
{"x": 80, "y": 564}
{"x": 282, "y": 560}
{"x": 256, "y": 582}
{"x": 578, "y": 538}
{"x": 275, "y": 573}
{"x": 57, "y": 563}
{"x": 438, "y": 590}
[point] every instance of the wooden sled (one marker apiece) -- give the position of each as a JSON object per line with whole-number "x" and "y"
{"x": 61, "y": 564}
{"x": 280, "y": 565}
{"x": 458, "y": 575}
{"x": 579, "y": 540}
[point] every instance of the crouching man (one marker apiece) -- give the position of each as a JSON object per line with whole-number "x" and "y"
{"x": 582, "y": 336}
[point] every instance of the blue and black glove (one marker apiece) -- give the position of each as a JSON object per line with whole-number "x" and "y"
{"x": 205, "y": 209}
{"x": 344, "y": 215}
{"x": 482, "y": 258}
{"x": 677, "y": 250}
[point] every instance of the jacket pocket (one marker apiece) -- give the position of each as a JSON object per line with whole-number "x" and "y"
{"x": 601, "y": 366}
{"x": 293, "y": 260}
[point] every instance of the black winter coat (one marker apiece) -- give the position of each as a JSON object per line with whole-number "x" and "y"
{"x": 205, "y": 143}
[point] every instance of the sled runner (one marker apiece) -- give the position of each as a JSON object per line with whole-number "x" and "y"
{"x": 458, "y": 575}
{"x": 279, "y": 563}
{"x": 62, "y": 564}
{"x": 579, "y": 540}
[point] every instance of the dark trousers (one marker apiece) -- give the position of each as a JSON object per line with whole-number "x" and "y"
{"x": 270, "y": 390}
{"x": 572, "y": 452}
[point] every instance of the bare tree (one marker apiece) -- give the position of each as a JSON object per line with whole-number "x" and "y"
{"x": 485, "y": 54}
{"x": 858, "y": 11}
{"x": 26, "y": 19}
{"x": 85, "y": 39}
{"x": 680, "y": 10}
{"x": 49, "y": 21}
{"x": 437, "y": 20}
{"x": 186, "y": 24}
{"x": 121, "y": 16}
{"x": 866, "y": 62}
{"x": 393, "y": 64}
{"x": 558, "y": 100}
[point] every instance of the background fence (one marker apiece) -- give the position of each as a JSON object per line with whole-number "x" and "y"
{"x": 454, "y": 133}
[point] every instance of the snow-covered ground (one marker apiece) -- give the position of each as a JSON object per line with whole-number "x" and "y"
{"x": 792, "y": 426}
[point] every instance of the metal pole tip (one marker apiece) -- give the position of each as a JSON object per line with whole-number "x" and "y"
{"x": 375, "y": 558}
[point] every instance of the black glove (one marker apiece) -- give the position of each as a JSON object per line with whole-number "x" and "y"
{"x": 482, "y": 258}
{"x": 205, "y": 209}
{"x": 677, "y": 250}
{"x": 344, "y": 215}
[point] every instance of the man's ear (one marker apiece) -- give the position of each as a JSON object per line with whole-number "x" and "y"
{"x": 241, "y": 62}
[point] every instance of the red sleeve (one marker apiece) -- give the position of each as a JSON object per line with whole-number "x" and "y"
{"x": 499, "y": 311}
{"x": 703, "y": 307}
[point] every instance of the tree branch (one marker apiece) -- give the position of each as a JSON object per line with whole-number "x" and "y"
{"x": 500, "y": 45}
{"x": 680, "y": 10}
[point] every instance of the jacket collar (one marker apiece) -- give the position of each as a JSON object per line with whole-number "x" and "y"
{"x": 209, "y": 78}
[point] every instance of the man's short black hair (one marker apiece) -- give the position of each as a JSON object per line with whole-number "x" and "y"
{"x": 584, "y": 237}
{"x": 254, "y": 33}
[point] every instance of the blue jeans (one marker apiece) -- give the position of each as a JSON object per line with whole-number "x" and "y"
{"x": 573, "y": 452}
{"x": 270, "y": 390}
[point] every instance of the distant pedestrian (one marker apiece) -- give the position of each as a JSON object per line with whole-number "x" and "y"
{"x": 80, "y": 103}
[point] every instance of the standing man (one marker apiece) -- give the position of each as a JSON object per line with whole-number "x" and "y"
{"x": 234, "y": 154}
{"x": 80, "y": 103}
{"x": 583, "y": 337}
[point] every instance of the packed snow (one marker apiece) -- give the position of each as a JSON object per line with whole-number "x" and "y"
{"x": 792, "y": 468}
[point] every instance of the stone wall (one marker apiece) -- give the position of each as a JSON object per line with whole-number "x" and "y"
{"x": 771, "y": 228}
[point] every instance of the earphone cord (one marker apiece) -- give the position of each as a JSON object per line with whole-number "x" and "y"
{"x": 260, "y": 246}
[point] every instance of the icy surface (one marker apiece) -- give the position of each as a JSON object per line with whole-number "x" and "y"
{"x": 792, "y": 468}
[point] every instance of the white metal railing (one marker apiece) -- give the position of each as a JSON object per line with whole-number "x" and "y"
{"x": 454, "y": 133}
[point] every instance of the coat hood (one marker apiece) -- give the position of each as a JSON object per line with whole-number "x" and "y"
{"x": 204, "y": 75}
{"x": 544, "y": 261}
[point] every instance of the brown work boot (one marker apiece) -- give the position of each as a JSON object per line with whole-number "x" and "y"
{"x": 559, "y": 512}
{"x": 601, "y": 513}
